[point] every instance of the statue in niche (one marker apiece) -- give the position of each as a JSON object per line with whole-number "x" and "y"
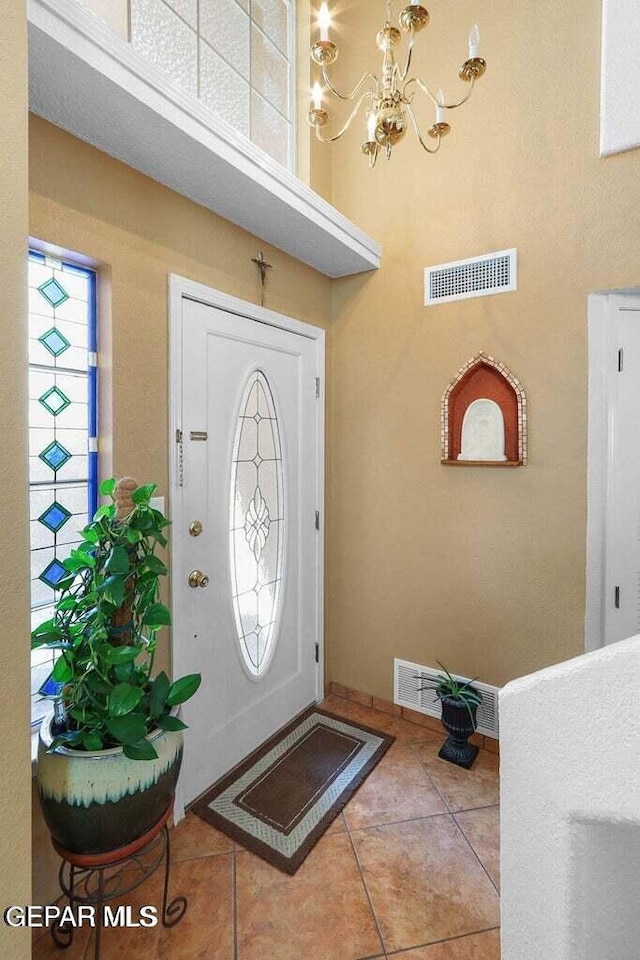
{"x": 483, "y": 432}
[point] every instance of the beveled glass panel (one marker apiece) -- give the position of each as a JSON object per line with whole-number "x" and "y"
{"x": 272, "y": 16}
{"x": 225, "y": 27}
{"x": 269, "y": 72}
{"x": 73, "y": 499}
{"x": 60, "y": 392}
{"x": 72, "y": 310}
{"x": 165, "y": 41}
{"x": 38, "y": 305}
{"x": 255, "y": 539}
{"x": 224, "y": 90}
{"x": 269, "y": 130}
{"x": 187, "y": 9}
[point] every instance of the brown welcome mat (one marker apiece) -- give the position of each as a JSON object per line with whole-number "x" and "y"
{"x": 281, "y": 799}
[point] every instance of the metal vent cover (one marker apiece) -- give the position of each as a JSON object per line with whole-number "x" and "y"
{"x": 478, "y": 277}
{"x": 409, "y": 677}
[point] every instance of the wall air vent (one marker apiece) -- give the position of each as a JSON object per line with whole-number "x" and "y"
{"x": 409, "y": 677}
{"x": 478, "y": 277}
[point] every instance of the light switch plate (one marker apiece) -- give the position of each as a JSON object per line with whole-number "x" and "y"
{"x": 157, "y": 503}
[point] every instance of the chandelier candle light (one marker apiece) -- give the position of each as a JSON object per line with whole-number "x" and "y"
{"x": 388, "y": 101}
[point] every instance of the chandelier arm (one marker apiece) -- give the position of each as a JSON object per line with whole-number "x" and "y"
{"x": 347, "y": 123}
{"x": 416, "y": 128}
{"x": 350, "y": 96}
{"x": 434, "y": 99}
{"x": 402, "y": 74}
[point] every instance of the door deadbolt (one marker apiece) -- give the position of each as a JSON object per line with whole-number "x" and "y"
{"x": 195, "y": 528}
{"x": 198, "y": 579}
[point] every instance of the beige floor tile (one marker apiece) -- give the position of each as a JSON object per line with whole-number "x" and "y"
{"x": 44, "y": 948}
{"x": 480, "y": 946}
{"x": 338, "y": 826}
{"x": 321, "y": 913}
{"x": 397, "y": 789}
{"x": 425, "y": 883}
{"x": 206, "y": 930}
{"x": 400, "y": 729}
{"x": 134, "y": 943}
{"x": 482, "y": 830}
{"x": 463, "y": 789}
{"x": 193, "y": 837}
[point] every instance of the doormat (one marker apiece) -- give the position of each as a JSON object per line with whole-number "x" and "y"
{"x": 281, "y": 799}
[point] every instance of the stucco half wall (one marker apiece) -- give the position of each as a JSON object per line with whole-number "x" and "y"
{"x": 570, "y": 809}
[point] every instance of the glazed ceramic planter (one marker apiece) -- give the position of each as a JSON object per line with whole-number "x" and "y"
{"x": 99, "y": 801}
{"x": 459, "y": 722}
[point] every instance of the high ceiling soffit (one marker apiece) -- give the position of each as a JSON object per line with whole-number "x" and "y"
{"x": 88, "y": 81}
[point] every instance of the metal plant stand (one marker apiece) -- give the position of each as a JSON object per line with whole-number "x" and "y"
{"x": 96, "y": 879}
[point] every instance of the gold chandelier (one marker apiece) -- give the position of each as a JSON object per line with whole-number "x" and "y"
{"x": 388, "y": 101}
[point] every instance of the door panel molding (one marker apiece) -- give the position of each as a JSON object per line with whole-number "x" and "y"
{"x": 179, "y": 290}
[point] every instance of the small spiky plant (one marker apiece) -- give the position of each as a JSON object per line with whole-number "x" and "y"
{"x": 446, "y": 686}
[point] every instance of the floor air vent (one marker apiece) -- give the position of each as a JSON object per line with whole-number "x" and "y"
{"x": 478, "y": 277}
{"x": 409, "y": 677}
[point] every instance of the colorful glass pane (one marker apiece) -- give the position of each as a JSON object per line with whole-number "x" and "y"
{"x": 55, "y": 342}
{"x": 55, "y": 401}
{"x": 51, "y": 688}
{"x": 54, "y": 517}
{"x": 63, "y": 456}
{"x": 53, "y": 573}
{"x": 53, "y": 292}
{"x": 55, "y": 455}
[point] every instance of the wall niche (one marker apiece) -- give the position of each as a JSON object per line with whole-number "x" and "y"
{"x": 484, "y": 416}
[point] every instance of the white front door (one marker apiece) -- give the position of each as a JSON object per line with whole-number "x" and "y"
{"x": 246, "y": 497}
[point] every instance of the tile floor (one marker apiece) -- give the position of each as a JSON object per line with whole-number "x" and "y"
{"x": 409, "y": 870}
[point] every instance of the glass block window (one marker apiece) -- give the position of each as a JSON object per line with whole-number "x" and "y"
{"x": 236, "y": 56}
{"x": 257, "y": 525}
{"x": 63, "y": 458}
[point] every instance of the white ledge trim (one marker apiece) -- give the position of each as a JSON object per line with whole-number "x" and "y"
{"x": 89, "y": 81}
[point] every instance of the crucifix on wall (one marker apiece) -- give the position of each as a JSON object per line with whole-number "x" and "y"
{"x": 261, "y": 262}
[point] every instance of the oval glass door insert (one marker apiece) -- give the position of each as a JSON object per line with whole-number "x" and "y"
{"x": 257, "y": 524}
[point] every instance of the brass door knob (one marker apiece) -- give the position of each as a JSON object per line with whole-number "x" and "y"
{"x": 198, "y": 579}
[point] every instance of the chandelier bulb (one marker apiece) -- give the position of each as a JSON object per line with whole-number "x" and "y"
{"x": 371, "y": 126}
{"x": 324, "y": 21}
{"x": 474, "y": 42}
{"x": 440, "y": 110}
{"x": 316, "y": 96}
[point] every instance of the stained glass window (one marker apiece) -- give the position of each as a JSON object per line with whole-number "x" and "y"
{"x": 257, "y": 524}
{"x": 63, "y": 458}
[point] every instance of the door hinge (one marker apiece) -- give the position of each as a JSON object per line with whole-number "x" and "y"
{"x": 317, "y": 653}
{"x": 317, "y": 519}
{"x": 616, "y": 600}
{"x": 317, "y": 386}
{"x": 620, "y": 360}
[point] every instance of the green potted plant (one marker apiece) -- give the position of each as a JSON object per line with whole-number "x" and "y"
{"x": 460, "y": 701}
{"x": 109, "y": 753}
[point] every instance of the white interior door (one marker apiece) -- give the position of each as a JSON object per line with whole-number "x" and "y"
{"x": 621, "y": 605}
{"x": 249, "y": 473}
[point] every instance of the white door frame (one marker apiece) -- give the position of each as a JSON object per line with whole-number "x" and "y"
{"x": 601, "y": 418}
{"x": 181, "y": 288}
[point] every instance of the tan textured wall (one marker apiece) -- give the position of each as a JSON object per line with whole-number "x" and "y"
{"x": 139, "y": 231}
{"x": 15, "y": 757}
{"x": 483, "y": 569}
